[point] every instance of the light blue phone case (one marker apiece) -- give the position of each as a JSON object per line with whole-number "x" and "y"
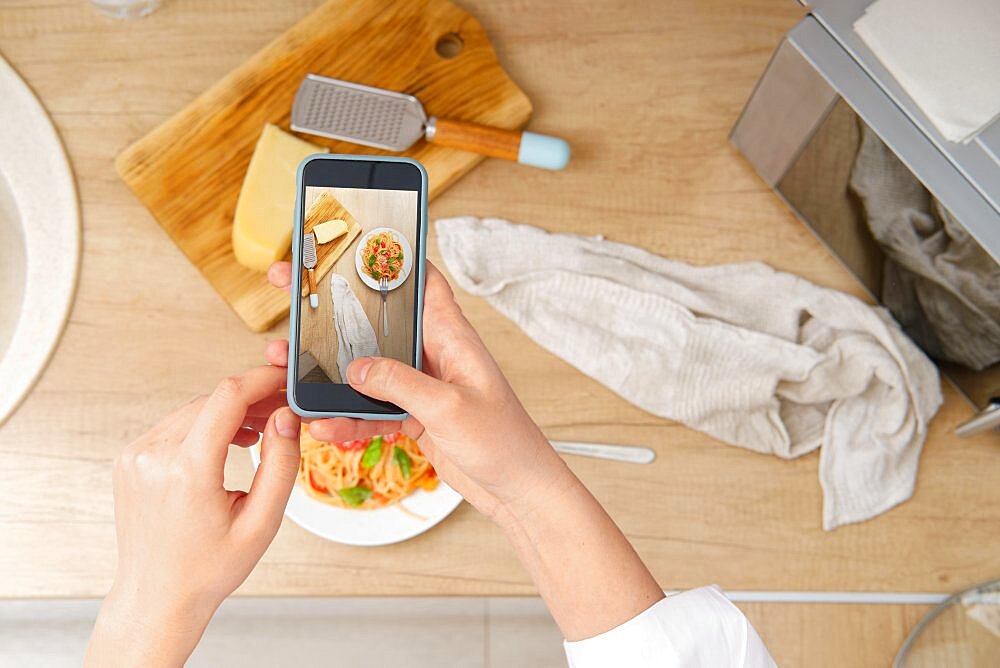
{"x": 293, "y": 322}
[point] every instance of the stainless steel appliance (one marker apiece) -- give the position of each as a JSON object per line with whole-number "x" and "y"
{"x": 804, "y": 129}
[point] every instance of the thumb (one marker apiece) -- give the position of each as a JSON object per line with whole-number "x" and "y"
{"x": 387, "y": 379}
{"x": 275, "y": 477}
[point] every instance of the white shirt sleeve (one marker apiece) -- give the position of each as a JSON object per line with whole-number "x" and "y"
{"x": 700, "y": 627}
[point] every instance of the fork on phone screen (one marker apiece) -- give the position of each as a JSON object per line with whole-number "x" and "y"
{"x": 383, "y": 287}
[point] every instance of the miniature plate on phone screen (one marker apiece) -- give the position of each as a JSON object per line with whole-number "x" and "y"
{"x": 367, "y": 528}
{"x": 359, "y": 259}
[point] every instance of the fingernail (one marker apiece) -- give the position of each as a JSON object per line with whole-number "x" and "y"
{"x": 358, "y": 370}
{"x": 287, "y": 423}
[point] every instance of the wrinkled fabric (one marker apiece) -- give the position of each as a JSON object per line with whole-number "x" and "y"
{"x": 754, "y": 357}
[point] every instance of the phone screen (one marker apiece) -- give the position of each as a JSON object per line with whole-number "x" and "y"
{"x": 360, "y": 239}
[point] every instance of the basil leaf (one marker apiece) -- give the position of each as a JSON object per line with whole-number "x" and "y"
{"x": 403, "y": 460}
{"x": 354, "y": 496}
{"x": 373, "y": 453}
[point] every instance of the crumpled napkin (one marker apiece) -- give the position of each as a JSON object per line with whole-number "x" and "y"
{"x": 754, "y": 357}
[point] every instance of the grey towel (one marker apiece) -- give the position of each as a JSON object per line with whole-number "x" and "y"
{"x": 939, "y": 283}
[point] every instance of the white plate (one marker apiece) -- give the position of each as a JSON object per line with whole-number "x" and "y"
{"x": 367, "y": 528}
{"x": 407, "y": 258}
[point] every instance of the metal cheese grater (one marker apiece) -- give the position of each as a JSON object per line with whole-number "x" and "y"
{"x": 309, "y": 262}
{"x": 358, "y": 114}
{"x": 395, "y": 121}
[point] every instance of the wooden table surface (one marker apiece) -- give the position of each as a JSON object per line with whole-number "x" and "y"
{"x": 647, "y": 92}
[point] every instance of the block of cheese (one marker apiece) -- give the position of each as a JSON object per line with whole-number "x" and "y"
{"x": 330, "y": 230}
{"x": 262, "y": 226}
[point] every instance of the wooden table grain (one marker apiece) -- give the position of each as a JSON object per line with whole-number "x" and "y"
{"x": 647, "y": 92}
{"x": 833, "y": 635}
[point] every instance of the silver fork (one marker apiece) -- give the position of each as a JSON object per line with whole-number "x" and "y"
{"x": 383, "y": 287}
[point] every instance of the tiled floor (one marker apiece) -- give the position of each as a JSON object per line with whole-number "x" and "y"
{"x": 252, "y": 632}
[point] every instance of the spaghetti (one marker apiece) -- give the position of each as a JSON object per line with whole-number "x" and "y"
{"x": 363, "y": 474}
{"x": 383, "y": 256}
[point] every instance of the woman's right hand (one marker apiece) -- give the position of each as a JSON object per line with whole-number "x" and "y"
{"x": 463, "y": 413}
{"x": 482, "y": 442}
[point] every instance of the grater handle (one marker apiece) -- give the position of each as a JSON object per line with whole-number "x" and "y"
{"x": 527, "y": 148}
{"x": 311, "y": 278}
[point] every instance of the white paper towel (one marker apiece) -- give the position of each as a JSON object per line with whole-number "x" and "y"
{"x": 946, "y": 56}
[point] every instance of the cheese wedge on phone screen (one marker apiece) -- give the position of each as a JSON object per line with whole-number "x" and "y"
{"x": 262, "y": 226}
{"x": 330, "y": 230}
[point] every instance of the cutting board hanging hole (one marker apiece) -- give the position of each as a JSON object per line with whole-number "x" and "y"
{"x": 449, "y": 45}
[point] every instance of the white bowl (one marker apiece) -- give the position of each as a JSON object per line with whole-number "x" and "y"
{"x": 39, "y": 239}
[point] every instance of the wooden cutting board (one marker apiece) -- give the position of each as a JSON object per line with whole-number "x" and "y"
{"x": 188, "y": 171}
{"x": 328, "y": 207}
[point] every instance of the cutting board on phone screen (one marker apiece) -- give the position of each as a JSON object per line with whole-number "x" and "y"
{"x": 327, "y": 207}
{"x": 188, "y": 171}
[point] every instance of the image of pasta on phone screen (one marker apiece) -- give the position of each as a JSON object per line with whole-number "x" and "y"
{"x": 358, "y": 272}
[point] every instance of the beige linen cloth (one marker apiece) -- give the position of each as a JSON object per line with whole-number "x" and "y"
{"x": 754, "y": 357}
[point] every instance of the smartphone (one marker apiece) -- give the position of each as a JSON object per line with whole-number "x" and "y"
{"x": 358, "y": 265}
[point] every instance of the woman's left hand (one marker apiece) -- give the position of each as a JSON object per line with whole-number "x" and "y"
{"x": 184, "y": 541}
